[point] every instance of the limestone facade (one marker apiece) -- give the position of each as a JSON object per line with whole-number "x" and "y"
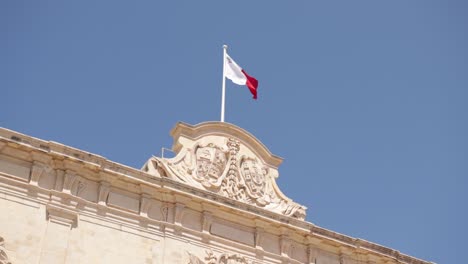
{"x": 216, "y": 201}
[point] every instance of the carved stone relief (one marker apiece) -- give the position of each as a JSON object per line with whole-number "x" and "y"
{"x": 3, "y": 255}
{"x": 254, "y": 177}
{"x": 223, "y": 170}
{"x": 104, "y": 189}
{"x": 224, "y": 258}
{"x": 211, "y": 162}
{"x": 78, "y": 186}
{"x": 165, "y": 212}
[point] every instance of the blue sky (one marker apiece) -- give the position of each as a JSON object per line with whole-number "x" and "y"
{"x": 365, "y": 100}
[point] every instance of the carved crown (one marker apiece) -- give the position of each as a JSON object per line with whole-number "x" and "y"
{"x": 227, "y": 160}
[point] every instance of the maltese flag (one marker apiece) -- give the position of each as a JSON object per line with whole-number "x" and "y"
{"x": 237, "y": 75}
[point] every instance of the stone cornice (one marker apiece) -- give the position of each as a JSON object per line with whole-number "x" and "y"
{"x": 112, "y": 173}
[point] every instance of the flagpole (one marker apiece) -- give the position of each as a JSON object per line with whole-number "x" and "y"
{"x": 224, "y": 84}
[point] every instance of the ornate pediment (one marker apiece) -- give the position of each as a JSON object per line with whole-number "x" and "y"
{"x": 227, "y": 160}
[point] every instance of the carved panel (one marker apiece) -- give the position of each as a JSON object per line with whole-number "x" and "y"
{"x": 192, "y": 219}
{"x": 123, "y": 201}
{"x": 48, "y": 178}
{"x": 233, "y": 232}
{"x": 15, "y": 168}
{"x": 78, "y": 186}
{"x": 85, "y": 189}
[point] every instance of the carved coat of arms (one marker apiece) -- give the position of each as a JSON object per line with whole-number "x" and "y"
{"x": 210, "y": 164}
{"x": 254, "y": 177}
{"x": 220, "y": 168}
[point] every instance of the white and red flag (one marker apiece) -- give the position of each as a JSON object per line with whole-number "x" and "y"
{"x": 237, "y": 75}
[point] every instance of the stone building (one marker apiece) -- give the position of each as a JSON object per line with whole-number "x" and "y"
{"x": 216, "y": 201}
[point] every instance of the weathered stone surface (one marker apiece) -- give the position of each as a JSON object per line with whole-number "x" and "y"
{"x": 216, "y": 202}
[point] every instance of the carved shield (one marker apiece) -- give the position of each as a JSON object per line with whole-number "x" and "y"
{"x": 211, "y": 162}
{"x": 254, "y": 177}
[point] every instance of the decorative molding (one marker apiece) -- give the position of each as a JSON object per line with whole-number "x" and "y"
{"x": 81, "y": 186}
{"x": 36, "y": 171}
{"x": 61, "y": 216}
{"x": 179, "y": 213}
{"x": 165, "y": 212}
{"x": 258, "y": 238}
{"x": 68, "y": 181}
{"x": 104, "y": 189}
{"x": 2, "y": 145}
{"x": 145, "y": 202}
{"x": 59, "y": 180}
{"x": 312, "y": 255}
{"x": 207, "y": 220}
{"x": 285, "y": 245}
